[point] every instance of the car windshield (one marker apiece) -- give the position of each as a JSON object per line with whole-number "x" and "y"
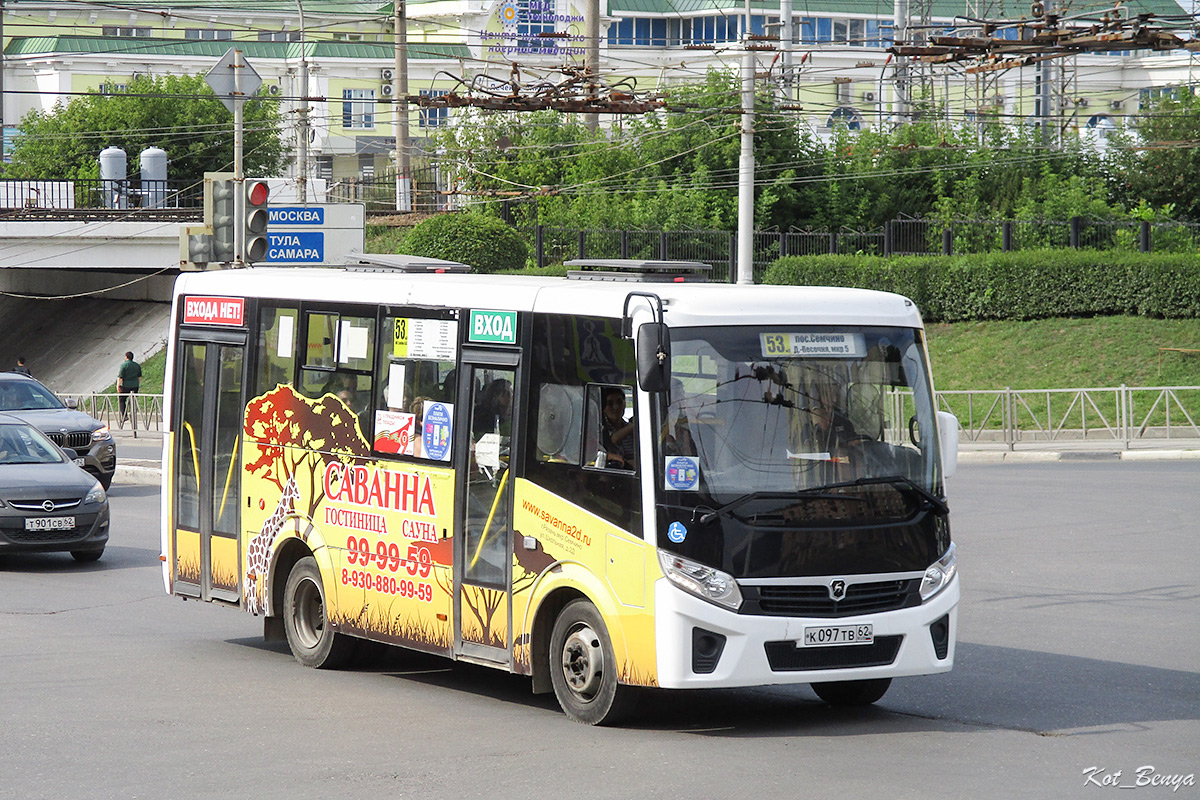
{"x": 21, "y": 444}
{"x": 26, "y": 396}
{"x": 760, "y": 415}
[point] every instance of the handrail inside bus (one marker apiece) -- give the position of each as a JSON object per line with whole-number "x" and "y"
{"x": 229, "y": 477}
{"x": 487, "y": 525}
{"x": 195, "y": 453}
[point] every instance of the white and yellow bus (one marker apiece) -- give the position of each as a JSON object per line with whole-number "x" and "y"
{"x": 612, "y": 480}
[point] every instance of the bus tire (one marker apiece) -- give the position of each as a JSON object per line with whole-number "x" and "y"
{"x": 583, "y": 668}
{"x": 843, "y": 694}
{"x": 311, "y": 638}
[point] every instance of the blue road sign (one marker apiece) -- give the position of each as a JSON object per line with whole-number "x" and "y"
{"x": 297, "y": 215}
{"x": 292, "y": 247}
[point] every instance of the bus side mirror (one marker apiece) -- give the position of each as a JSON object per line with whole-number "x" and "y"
{"x": 654, "y": 357}
{"x": 948, "y": 436}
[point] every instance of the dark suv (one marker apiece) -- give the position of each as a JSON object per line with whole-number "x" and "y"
{"x": 25, "y": 398}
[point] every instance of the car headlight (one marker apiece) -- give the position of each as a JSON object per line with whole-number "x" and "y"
{"x": 939, "y": 574}
{"x": 96, "y": 495}
{"x": 100, "y": 434}
{"x": 704, "y": 582}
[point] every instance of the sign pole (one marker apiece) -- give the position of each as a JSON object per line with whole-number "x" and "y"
{"x": 239, "y": 177}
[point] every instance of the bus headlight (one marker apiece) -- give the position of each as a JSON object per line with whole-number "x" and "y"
{"x": 939, "y": 574}
{"x": 704, "y": 582}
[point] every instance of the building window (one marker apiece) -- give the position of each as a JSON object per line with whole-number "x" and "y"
{"x": 208, "y": 34}
{"x": 532, "y": 16}
{"x": 120, "y": 30}
{"x": 279, "y": 36}
{"x": 113, "y": 88}
{"x": 347, "y": 37}
{"x": 358, "y": 108}
{"x": 325, "y": 167}
{"x": 435, "y": 117}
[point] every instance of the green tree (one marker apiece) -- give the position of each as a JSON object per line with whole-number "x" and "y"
{"x": 1159, "y": 163}
{"x": 179, "y": 114}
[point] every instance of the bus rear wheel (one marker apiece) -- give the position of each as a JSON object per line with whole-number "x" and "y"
{"x": 852, "y": 693}
{"x": 311, "y": 638}
{"x": 583, "y": 668}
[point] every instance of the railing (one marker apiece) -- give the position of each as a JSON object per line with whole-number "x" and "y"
{"x": 549, "y": 245}
{"x": 144, "y": 412}
{"x": 1122, "y": 414}
{"x": 94, "y": 193}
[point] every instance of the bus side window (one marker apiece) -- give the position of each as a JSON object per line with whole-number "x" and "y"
{"x": 340, "y": 351}
{"x": 410, "y": 379}
{"x": 276, "y": 348}
{"x": 573, "y": 361}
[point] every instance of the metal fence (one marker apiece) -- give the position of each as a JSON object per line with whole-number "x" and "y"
{"x": 552, "y": 245}
{"x": 87, "y": 194}
{"x": 144, "y": 412}
{"x": 1123, "y": 414}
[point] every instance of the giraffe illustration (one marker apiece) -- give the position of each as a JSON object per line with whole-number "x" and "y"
{"x": 258, "y": 554}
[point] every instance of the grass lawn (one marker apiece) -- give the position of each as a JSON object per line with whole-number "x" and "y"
{"x": 1064, "y": 353}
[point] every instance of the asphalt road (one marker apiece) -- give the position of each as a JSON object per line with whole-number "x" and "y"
{"x": 1079, "y": 650}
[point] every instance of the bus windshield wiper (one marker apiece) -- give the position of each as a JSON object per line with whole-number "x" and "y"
{"x": 938, "y": 503}
{"x": 746, "y": 498}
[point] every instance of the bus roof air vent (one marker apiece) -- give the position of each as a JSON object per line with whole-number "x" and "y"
{"x": 395, "y": 262}
{"x": 637, "y": 270}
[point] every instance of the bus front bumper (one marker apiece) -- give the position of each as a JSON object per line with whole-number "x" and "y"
{"x": 701, "y": 645}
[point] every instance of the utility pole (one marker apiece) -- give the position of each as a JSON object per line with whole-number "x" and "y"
{"x": 591, "y": 61}
{"x": 745, "y": 249}
{"x": 302, "y": 118}
{"x": 900, "y": 86}
{"x": 1, "y": 81}
{"x": 786, "y": 37}
{"x": 400, "y": 102}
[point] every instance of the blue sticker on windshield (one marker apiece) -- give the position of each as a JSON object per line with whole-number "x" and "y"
{"x": 676, "y": 532}
{"x": 683, "y": 473}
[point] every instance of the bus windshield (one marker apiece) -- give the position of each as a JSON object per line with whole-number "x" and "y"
{"x": 775, "y": 411}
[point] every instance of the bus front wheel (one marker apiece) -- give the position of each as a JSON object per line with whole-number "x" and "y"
{"x": 311, "y": 638}
{"x": 852, "y": 693}
{"x": 583, "y": 668}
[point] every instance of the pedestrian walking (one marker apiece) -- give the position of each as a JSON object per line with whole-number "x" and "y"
{"x": 21, "y": 368}
{"x": 129, "y": 380}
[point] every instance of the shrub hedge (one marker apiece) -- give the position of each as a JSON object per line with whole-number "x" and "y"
{"x": 1022, "y": 285}
{"x": 486, "y": 243}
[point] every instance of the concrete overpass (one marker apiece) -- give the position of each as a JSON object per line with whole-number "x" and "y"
{"x": 75, "y": 294}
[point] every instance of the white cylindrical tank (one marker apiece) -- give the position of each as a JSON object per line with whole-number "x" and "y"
{"x": 113, "y": 165}
{"x": 153, "y": 161}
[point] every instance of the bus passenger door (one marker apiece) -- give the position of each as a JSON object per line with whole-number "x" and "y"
{"x": 483, "y": 549}
{"x": 206, "y": 466}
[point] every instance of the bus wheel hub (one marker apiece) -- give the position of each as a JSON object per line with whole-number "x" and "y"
{"x": 583, "y": 662}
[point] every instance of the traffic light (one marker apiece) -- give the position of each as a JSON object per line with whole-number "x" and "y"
{"x": 257, "y": 217}
{"x": 219, "y": 213}
{"x": 195, "y": 247}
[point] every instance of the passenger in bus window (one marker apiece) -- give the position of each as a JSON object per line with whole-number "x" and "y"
{"x": 494, "y": 410}
{"x": 617, "y": 433}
